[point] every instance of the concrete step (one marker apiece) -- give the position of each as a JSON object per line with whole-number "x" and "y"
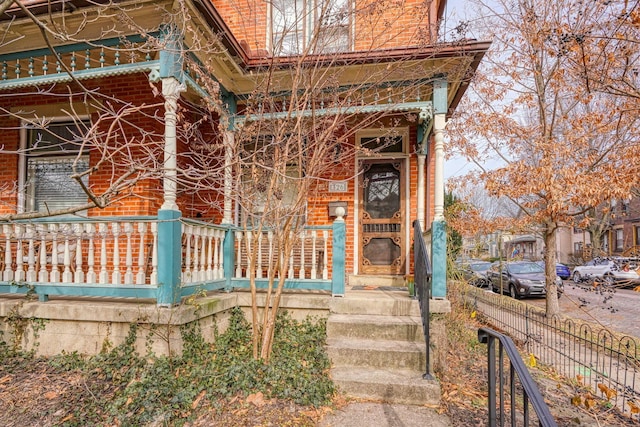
{"x": 400, "y": 305}
{"x": 386, "y": 304}
{"x": 377, "y": 354}
{"x": 377, "y": 327}
{"x": 397, "y": 386}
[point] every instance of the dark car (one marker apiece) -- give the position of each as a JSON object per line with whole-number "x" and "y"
{"x": 520, "y": 279}
{"x": 475, "y": 273}
{"x": 562, "y": 270}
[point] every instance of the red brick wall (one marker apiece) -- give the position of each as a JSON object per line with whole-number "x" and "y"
{"x": 118, "y": 91}
{"x": 378, "y": 23}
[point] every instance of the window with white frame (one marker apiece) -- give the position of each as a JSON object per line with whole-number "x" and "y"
{"x": 322, "y": 26}
{"x": 52, "y": 155}
{"x": 261, "y": 164}
{"x": 619, "y": 239}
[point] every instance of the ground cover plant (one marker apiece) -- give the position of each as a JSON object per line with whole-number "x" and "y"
{"x": 219, "y": 382}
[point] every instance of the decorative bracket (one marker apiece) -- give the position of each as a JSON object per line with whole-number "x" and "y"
{"x": 425, "y": 123}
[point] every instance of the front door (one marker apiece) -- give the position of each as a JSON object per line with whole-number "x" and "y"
{"x": 382, "y": 234}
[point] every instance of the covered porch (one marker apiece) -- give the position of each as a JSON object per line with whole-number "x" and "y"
{"x": 121, "y": 258}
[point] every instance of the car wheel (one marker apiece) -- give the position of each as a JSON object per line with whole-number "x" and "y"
{"x": 576, "y": 277}
{"x": 513, "y": 292}
{"x": 609, "y": 280}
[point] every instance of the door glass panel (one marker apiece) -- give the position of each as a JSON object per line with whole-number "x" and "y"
{"x": 382, "y": 191}
{"x": 381, "y": 251}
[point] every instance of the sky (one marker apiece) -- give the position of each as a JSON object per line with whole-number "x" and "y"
{"x": 456, "y": 11}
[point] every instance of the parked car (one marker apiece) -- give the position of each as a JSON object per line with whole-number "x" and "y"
{"x": 562, "y": 270}
{"x": 475, "y": 272}
{"x": 520, "y": 279}
{"x": 610, "y": 271}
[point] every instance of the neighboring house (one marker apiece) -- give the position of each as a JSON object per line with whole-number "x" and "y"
{"x": 518, "y": 246}
{"x": 621, "y": 236}
{"x": 159, "y": 236}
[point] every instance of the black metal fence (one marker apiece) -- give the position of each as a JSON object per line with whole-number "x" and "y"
{"x": 422, "y": 279}
{"x": 517, "y": 390}
{"x": 594, "y": 357}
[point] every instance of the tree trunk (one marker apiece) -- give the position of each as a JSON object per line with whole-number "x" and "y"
{"x": 552, "y": 306}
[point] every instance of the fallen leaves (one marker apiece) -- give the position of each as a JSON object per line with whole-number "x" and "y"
{"x": 197, "y": 400}
{"x": 257, "y": 399}
{"x": 606, "y": 391}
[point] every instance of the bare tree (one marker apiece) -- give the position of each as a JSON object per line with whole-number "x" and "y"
{"x": 565, "y": 147}
{"x": 268, "y": 149}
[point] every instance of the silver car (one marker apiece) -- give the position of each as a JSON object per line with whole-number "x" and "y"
{"x": 607, "y": 270}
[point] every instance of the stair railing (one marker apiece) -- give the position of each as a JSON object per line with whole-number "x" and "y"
{"x": 518, "y": 372}
{"x": 422, "y": 280}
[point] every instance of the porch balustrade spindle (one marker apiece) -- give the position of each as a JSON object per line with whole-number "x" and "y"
{"x": 31, "y": 255}
{"x": 290, "y": 273}
{"x": 250, "y": 256}
{"x": 19, "y": 273}
{"x": 128, "y": 232}
{"x": 188, "y": 234}
{"x": 7, "y": 274}
{"x": 91, "y": 273}
{"x": 314, "y": 267}
{"x": 217, "y": 255}
{"x": 116, "y": 276}
{"x": 220, "y": 248}
{"x": 196, "y": 254}
{"x": 271, "y": 262}
{"x": 301, "y": 273}
{"x": 210, "y": 254}
{"x": 43, "y": 274}
{"x": 259, "y": 269}
{"x": 153, "y": 279}
{"x": 104, "y": 274}
{"x": 203, "y": 255}
{"x": 140, "y": 276}
{"x": 78, "y": 275}
{"x": 67, "y": 276}
{"x": 55, "y": 272}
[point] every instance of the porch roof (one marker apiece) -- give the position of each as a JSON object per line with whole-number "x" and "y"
{"x": 239, "y": 69}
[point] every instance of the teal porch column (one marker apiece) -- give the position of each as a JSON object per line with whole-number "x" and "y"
{"x": 438, "y": 259}
{"x": 229, "y": 257}
{"x": 438, "y": 229}
{"x": 339, "y": 253}
{"x": 169, "y": 257}
{"x": 169, "y": 225}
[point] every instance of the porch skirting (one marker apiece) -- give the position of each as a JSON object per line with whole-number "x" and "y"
{"x": 89, "y": 326}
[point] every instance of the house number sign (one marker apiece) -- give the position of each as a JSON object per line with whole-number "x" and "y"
{"x": 337, "y": 187}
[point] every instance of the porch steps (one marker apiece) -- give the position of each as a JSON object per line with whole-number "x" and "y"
{"x": 377, "y": 349}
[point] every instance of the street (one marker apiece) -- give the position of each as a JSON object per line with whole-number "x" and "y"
{"x": 616, "y": 309}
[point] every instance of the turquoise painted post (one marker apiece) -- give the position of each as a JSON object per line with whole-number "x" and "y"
{"x": 339, "y": 254}
{"x": 438, "y": 259}
{"x": 169, "y": 257}
{"x": 170, "y": 57}
{"x": 229, "y": 256}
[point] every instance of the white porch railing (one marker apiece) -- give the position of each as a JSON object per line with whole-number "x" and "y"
{"x": 202, "y": 252}
{"x": 118, "y": 257}
{"x": 308, "y": 260}
{"x": 81, "y": 252}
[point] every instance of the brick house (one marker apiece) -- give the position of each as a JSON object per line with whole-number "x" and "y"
{"x": 114, "y": 92}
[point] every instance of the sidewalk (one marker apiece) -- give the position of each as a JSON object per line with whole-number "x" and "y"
{"x": 373, "y": 414}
